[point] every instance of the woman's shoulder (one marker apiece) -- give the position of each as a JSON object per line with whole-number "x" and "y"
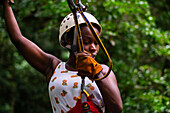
{"x": 54, "y": 62}
{"x": 111, "y": 75}
{"x": 106, "y": 69}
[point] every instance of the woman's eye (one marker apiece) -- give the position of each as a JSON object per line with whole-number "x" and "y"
{"x": 86, "y": 42}
{"x": 95, "y": 43}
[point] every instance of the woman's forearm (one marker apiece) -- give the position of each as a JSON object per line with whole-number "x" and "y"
{"x": 11, "y": 23}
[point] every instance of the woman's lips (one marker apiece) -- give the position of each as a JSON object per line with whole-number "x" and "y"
{"x": 93, "y": 55}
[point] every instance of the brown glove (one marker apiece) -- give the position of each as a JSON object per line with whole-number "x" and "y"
{"x": 87, "y": 66}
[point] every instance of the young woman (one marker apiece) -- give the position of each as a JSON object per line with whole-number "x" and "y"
{"x": 64, "y": 78}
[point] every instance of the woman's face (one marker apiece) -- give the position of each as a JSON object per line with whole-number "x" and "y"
{"x": 90, "y": 44}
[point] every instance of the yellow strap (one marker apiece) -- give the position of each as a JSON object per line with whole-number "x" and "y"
{"x": 104, "y": 49}
{"x": 84, "y": 91}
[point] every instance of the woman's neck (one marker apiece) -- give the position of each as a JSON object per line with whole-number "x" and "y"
{"x": 71, "y": 62}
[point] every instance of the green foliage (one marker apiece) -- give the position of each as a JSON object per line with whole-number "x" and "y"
{"x": 135, "y": 31}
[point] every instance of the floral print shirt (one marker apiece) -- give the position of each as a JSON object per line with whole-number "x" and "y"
{"x": 65, "y": 86}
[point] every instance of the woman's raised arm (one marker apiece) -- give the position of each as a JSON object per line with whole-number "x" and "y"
{"x": 40, "y": 60}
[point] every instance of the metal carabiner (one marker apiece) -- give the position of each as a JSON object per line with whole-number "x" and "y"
{"x": 78, "y": 3}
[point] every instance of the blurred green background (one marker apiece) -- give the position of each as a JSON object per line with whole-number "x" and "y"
{"x": 135, "y": 32}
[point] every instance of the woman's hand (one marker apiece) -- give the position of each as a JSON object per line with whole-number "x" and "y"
{"x": 9, "y": 1}
{"x": 87, "y": 66}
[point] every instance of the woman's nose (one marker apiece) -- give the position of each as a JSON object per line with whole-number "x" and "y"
{"x": 92, "y": 47}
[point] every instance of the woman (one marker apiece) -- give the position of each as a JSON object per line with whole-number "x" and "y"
{"x": 64, "y": 78}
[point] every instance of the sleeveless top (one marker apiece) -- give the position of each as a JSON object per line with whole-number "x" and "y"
{"x": 65, "y": 86}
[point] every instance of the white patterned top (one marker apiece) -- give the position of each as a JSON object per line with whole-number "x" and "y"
{"x": 65, "y": 86}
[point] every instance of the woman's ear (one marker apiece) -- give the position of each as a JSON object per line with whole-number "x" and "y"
{"x": 69, "y": 40}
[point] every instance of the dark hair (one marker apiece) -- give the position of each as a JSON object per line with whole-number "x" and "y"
{"x": 67, "y": 36}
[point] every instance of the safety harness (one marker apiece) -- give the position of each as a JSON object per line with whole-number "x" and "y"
{"x": 85, "y": 107}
